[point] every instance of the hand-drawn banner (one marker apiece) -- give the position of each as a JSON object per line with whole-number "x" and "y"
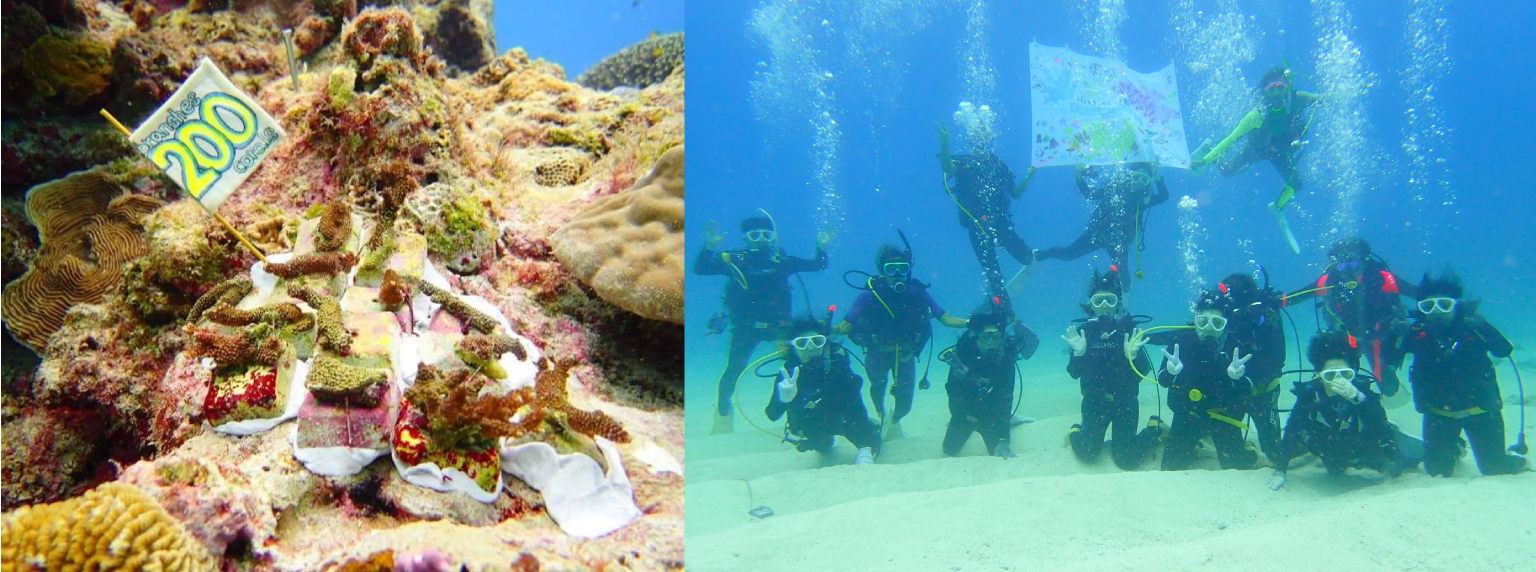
{"x": 1094, "y": 111}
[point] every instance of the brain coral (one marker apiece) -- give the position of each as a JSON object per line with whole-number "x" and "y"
{"x": 89, "y": 229}
{"x": 629, "y": 246}
{"x": 114, "y": 527}
{"x": 640, "y": 65}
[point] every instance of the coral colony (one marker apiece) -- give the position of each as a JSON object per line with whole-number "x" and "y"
{"x": 296, "y": 288}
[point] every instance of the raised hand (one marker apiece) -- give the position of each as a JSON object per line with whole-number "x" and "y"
{"x": 1171, "y": 363}
{"x": 1239, "y": 365}
{"x": 1133, "y": 344}
{"x": 712, "y": 235}
{"x": 1076, "y": 341}
{"x": 1343, "y": 388}
{"x": 825, "y": 237}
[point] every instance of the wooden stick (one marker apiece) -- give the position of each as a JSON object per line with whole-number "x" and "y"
{"x": 229, "y": 227}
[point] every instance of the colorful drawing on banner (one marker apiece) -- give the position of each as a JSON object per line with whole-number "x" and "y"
{"x": 1094, "y": 111}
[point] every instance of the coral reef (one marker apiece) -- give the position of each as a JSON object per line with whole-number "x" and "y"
{"x": 442, "y": 148}
{"x": 280, "y": 315}
{"x": 89, "y": 228}
{"x": 394, "y": 292}
{"x": 114, "y": 527}
{"x": 645, "y": 63}
{"x": 629, "y": 246}
{"x": 483, "y": 352}
{"x": 332, "y": 334}
{"x": 69, "y": 65}
{"x": 331, "y": 380}
{"x": 326, "y": 263}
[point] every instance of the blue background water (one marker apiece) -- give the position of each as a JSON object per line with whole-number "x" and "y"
{"x": 889, "y": 179}
{"x": 578, "y": 33}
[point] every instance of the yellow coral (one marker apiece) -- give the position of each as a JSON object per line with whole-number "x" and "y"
{"x": 114, "y": 527}
{"x": 629, "y": 246}
{"x": 562, "y": 171}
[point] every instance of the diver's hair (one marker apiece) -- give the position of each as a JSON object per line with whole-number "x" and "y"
{"x": 1209, "y": 300}
{"x": 1241, "y": 289}
{"x": 1448, "y": 285}
{"x": 889, "y": 253}
{"x": 802, "y": 323}
{"x": 1274, "y": 75}
{"x": 756, "y": 223}
{"x": 989, "y": 313}
{"x": 1108, "y": 281}
{"x": 1332, "y": 345}
{"x": 1351, "y": 245}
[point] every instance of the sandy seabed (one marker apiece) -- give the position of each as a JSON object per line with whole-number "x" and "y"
{"x": 1046, "y": 510}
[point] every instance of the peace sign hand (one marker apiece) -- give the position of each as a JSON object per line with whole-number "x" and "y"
{"x": 1239, "y": 365}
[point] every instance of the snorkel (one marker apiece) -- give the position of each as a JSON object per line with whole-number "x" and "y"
{"x": 826, "y": 350}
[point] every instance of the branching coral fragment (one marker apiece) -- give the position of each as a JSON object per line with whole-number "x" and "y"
{"x": 332, "y": 335}
{"x": 314, "y": 263}
{"x": 552, "y": 396}
{"x": 331, "y": 380}
{"x": 253, "y": 345}
{"x": 459, "y": 308}
{"x": 229, "y": 291}
{"x": 460, "y": 416}
{"x": 335, "y": 226}
{"x": 282, "y": 315}
{"x": 394, "y": 292}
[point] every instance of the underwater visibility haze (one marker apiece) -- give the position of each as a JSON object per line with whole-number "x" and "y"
{"x": 882, "y": 145}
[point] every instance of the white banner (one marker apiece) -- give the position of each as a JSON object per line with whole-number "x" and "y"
{"x": 1095, "y": 111}
{"x": 208, "y": 136}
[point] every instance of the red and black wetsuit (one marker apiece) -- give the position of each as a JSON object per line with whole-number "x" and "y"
{"x": 1361, "y": 298}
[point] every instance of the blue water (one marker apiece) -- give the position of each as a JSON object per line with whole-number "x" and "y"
{"x": 888, "y": 176}
{"x": 886, "y": 71}
{"x": 578, "y": 33}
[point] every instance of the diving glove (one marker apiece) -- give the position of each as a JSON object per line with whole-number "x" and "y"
{"x": 1276, "y": 481}
{"x": 1002, "y": 450}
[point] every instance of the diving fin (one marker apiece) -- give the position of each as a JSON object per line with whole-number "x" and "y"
{"x": 1015, "y": 286}
{"x": 1285, "y": 227}
{"x": 1408, "y": 445}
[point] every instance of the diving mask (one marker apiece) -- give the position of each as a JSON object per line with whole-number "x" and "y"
{"x": 1329, "y": 375}
{"x": 762, "y": 235}
{"x": 815, "y": 342}
{"x": 1213, "y": 323}
{"x": 1433, "y": 305}
{"x": 1104, "y": 300}
{"x": 897, "y": 268}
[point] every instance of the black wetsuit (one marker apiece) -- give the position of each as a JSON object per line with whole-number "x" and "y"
{"x": 1110, "y": 389}
{"x": 1259, "y": 329}
{"x": 980, "y": 389}
{"x": 893, "y": 327}
{"x": 827, "y": 403}
{"x": 757, "y": 297}
{"x": 1206, "y": 402}
{"x": 1369, "y": 310}
{"x": 1342, "y": 433}
{"x": 1456, "y": 389}
{"x": 983, "y": 188}
{"x": 1120, "y": 211}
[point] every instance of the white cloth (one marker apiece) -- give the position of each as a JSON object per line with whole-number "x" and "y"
{"x": 332, "y": 461}
{"x": 296, "y": 394}
{"x": 1095, "y": 111}
{"x": 584, "y": 501}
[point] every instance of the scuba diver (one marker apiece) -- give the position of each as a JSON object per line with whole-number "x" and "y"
{"x": 1454, "y": 384}
{"x": 1209, "y": 392}
{"x": 890, "y": 319}
{"x": 1337, "y": 417}
{"x": 757, "y": 296}
{"x": 980, "y": 386}
{"x": 1276, "y": 131}
{"x": 1358, "y": 294}
{"x": 817, "y": 388}
{"x": 1122, "y": 194}
{"x": 1103, "y": 351}
{"x": 1255, "y": 324}
{"x": 983, "y": 189}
